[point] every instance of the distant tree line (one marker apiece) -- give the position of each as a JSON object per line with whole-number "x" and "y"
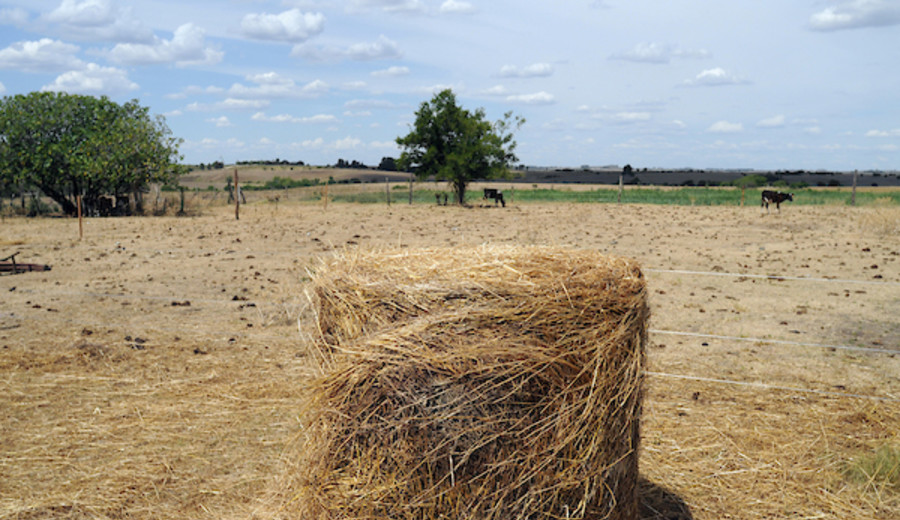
{"x": 700, "y": 177}
{"x": 387, "y": 164}
{"x": 273, "y": 162}
{"x": 217, "y": 165}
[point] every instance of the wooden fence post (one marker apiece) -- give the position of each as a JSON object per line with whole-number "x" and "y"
{"x": 410, "y": 190}
{"x": 237, "y": 198}
{"x": 853, "y": 196}
{"x": 619, "y": 200}
{"x": 387, "y": 190}
{"x": 80, "y": 228}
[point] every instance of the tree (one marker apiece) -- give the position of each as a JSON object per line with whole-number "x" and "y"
{"x": 456, "y": 145}
{"x": 68, "y": 145}
{"x": 387, "y": 164}
{"x": 750, "y": 181}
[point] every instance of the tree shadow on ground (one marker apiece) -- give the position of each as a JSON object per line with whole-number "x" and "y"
{"x": 659, "y": 503}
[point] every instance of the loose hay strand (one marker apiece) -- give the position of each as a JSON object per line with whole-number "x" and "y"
{"x": 487, "y": 383}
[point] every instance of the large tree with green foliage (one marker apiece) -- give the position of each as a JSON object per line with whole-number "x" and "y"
{"x": 68, "y": 145}
{"x": 456, "y": 145}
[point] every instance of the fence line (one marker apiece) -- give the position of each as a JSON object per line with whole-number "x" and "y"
{"x": 771, "y": 277}
{"x": 774, "y": 277}
{"x": 258, "y": 335}
{"x": 256, "y": 304}
{"x": 766, "y": 386}
{"x": 777, "y": 342}
{"x": 758, "y": 385}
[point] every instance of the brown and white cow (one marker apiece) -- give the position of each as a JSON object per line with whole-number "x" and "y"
{"x": 775, "y": 197}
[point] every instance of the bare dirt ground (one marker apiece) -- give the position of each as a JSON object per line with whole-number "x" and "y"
{"x": 155, "y": 372}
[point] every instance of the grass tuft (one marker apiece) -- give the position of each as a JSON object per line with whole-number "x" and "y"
{"x": 879, "y": 469}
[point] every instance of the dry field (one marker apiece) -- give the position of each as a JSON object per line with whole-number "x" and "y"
{"x": 156, "y": 371}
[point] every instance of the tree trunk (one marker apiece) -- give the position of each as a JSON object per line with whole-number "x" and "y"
{"x": 460, "y": 189}
{"x": 68, "y": 207}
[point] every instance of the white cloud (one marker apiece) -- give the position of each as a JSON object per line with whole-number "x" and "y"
{"x": 313, "y": 143}
{"x": 658, "y": 53}
{"x": 194, "y": 90}
{"x": 390, "y": 5}
{"x": 13, "y": 16}
{"x": 91, "y": 13}
{"x": 391, "y": 72}
{"x": 439, "y": 87}
{"x": 455, "y": 7}
{"x": 538, "y": 98}
{"x": 530, "y": 71}
{"x": 272, "y": 85}
{"x": 287, "y": 118}
{"x": 884, "y": 133}
{"x": 813, "y": 130}
{"x": 856, "y": 14}
{"x": 99, "y": 20}
{"x": 243, "y": 104}
{"x": 291, "y": 26}
{"x": 281, "y": 118}
{"x": 382, "y": 48}
{"x": 2, "y": 88}
{"x": 187, "y": 46}
{"x": 354, "y": 85}
{"x": 357, "y": 104}
{"x": 383, "y": 145}
{"x": 93, "y": 79}
{"x": 631, "y": 117}
{"x": 44, "y": 55}
{"x": 496, "y": 90}
{"x": 229, "y": 104}
{"x": 347, "y": 143}
{"x": 221, "y": 122}
{"x": 319, "y": 119}
{"x": 724, "y": 127}
{"x": 715, "y": 77}
{"x": 772, "y": 122}
{"x": 379, "y": 49}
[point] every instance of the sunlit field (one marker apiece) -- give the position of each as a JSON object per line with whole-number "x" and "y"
{"x": 157, "y": 370}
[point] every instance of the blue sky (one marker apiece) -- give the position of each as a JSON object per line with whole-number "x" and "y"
{"x": 766, "y": 84}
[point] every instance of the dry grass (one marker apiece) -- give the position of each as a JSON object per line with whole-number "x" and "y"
{"x": 883, "y": 219}
{"x": 491, "y": 383}
{"x": 194, "y": 422}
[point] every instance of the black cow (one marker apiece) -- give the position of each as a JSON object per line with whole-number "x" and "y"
{"x": 497, "y": 195}
{"x": 775, "y": 197}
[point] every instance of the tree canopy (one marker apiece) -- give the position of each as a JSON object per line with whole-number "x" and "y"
{"x": 457, "y": 145}
{"x": 68, "y": 145}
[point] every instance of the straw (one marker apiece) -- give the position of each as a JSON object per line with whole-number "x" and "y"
{"x": 494, "y": 382}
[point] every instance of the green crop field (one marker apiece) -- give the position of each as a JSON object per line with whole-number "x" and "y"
{"x": 687, "y": 196}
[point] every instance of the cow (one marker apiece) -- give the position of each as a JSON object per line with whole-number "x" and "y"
{"x": 497, "y": 195}
{"x": 775, "y": 197}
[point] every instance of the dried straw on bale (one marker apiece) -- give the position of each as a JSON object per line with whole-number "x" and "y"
{"x": 489, "y": 383}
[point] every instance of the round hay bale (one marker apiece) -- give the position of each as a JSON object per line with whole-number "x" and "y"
{"x": 489, "y": 383}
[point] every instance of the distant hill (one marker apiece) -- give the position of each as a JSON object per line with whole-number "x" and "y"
{"x": 259, "y": 174}
{"x": 701, "y": 177}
